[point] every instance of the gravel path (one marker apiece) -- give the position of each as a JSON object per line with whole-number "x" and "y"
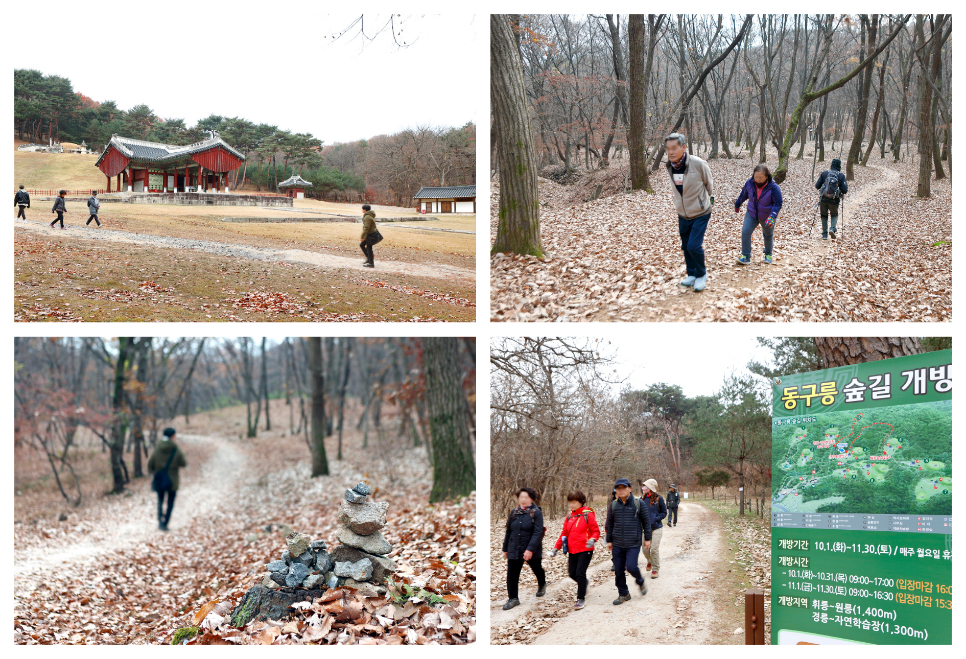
{"x": 301, "y": 256}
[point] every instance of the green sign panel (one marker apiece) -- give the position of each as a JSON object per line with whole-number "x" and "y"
{"x": 862, "y": 483}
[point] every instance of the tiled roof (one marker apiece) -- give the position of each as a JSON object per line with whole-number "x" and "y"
{"x": 295, "y": 181}
{"x": 160, "y": 153}
{"x": 455, "y": 191}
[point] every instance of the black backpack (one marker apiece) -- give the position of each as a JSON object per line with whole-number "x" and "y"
{"x": 830, "y": 190}
{"x": 162, "y": 480}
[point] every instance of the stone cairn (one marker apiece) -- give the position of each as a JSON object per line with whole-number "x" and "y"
{"x": 306, "y": 569}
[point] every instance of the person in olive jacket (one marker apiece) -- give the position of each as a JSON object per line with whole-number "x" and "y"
{"x": 523, "y": 543}
{"x": 166, "y": 457}
{"x": 628, "y": 525}
{"x": 368, "y": 231}
{"x": 673, "y": 501}
{"x": 580, "y": 533}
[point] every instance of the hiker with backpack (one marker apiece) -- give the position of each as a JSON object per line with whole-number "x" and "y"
{"x": 832, "y": 186}
{"x": 370, "y": 236}
{"x": 764, "y": 203}
{"x": 673, "y": 501}
{"x": 21, "y": 200}
{"x": 658, "y": 511}
{"x": 523, "y": 543}
{"x": 578, "y": 538}
{"x": 60, "y": 207}
{"x": 164, "y": 463}
{"x": 693, "y": 198}
{"x": 93, "y": 205}
{"x": 628, "y": 526}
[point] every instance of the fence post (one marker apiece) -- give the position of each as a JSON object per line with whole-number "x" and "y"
{"x": 754, "y": 616}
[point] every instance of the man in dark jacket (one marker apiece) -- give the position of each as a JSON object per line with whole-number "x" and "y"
{"x": 833, "y": 187}
{"x": 673, "y": 501}
{"x": 60, "y": 207}
{"x": 21, "y": 200}
{"x": 628, "y": 520}
{"x": 368, "y": 233}
{"x": 93, "y": 205}
{"x": 164, "y": 463}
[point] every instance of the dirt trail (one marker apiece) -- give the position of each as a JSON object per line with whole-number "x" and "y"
{"x": 677, "y": 609}
{"x": 200, "y": 496}
{"x": 301, "y": 256}
{"x": 689, "y": 305}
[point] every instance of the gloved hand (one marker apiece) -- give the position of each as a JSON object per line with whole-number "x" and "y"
{"x": 737, "y": 209}
{"x": 590, "y": 544}
{"x": 553, "y": 553}
{"x": 770, "y": 222}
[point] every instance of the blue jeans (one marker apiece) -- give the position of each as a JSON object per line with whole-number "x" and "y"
{"x": 625, "y": 558}
{"x": 748, "y": 228}
{"x": 692, "y": 243}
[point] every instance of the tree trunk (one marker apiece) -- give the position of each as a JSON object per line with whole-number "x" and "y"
{"x": 869, "y": 26}
{"x": 925, "y": 122}
{"x": 454, "y": 473}
{"x": 518, "y": 228}
{"x": 635, "y": 131}
{"x": 320, "y": 466}
{"x": 342, "y": 389}
{"x": 264, "y": 390}
{"x": 845, "y": 351}
{"x": 119, "y": 425}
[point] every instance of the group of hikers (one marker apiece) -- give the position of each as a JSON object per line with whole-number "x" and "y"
{"x": 21, "y": 201}
{"x": 694, "y": 199}
{"x": 632, "y": 523}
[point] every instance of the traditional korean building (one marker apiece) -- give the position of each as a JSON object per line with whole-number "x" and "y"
{"x": 142, "y": 166}
{"x": 294, "y": 186}
{"x": 452, "y": 199}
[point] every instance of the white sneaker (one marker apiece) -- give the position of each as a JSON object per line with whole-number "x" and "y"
{"x": 700, "y": 283}
{"x": 688, "y": 281}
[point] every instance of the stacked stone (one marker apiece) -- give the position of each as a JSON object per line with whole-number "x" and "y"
{"x": 364, "y": 549}
{"x": 304, "y": 564}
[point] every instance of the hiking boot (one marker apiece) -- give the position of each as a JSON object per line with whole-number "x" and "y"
{"x": 51, "y": 225}
{"x": 621, "y": 599}
{"x": 541, "y": 591}
{"x": 831, "y": 233}
{"x": 643, "y": 587}
{"x": 768, "y": 260}
{"x": 368, "y": 265}
{"x": 653, "y": 574}
{"x": 700, "y": 283}
{"x": 579, "y": 605}
{"x": 510, "y": 603}
{"x": 824, "y": 237}
{"x": 162, "y": 526}
{"x": 687, "y": 281}
{"x": 744, "y": 260}
{"x": 648, "y": 567}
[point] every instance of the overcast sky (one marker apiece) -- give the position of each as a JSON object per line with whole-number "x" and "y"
{"x": 273, "y": 65}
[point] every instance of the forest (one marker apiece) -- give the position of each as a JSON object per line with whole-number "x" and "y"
{"x": 386, "y": 169}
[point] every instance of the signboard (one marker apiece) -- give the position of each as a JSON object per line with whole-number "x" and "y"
{"x": 862, "y": 504}
{"x": 155, "y": 181}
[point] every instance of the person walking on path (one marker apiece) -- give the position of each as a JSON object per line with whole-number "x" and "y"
{"x": 523, "y": 543}
{"x": 832, "y": 186}
{"x": 164, "y": 463}
{"x": 369, "y": 232}
{"x": 658, "y": 511}
{"x": 578, "y": 537}
{"x": 21, "y": 200}
{"x": 673, "y": 501}
{"x": 93, "y": 205}
{"x": 628, "y": 526}
{"x": 60, "y": 207}
{"x": 693, "y": 198}
{"x": 764, "y": 202}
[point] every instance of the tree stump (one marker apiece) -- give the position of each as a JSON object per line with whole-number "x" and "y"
{"x": 261, "y": 603}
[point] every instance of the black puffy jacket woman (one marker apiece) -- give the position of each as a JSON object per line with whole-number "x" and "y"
{"x": 523, "y": 543}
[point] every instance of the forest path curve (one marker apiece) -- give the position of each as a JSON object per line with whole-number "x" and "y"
{"x": 299, "y": 256}
{"x": 686, "y": 305}
{"x": 677, "y": 608}
{"x": 199, "y": 496}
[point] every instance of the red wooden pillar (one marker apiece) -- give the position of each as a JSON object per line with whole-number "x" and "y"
{"x": 165, "y": 188}
{"x": 108, "y": 183}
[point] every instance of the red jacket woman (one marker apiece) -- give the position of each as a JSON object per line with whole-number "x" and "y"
{"x": 582, "y": 533}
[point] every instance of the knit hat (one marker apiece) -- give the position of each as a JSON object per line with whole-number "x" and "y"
{"x": 169, "y": 432}
{"x": 673, "y": 486}
{"x": 622, "y": 481}
{"x": 651, "y": 484}
{"x": 836, "y": 164}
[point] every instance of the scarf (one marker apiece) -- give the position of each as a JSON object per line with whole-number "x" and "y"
{"x": 683, "y": 163}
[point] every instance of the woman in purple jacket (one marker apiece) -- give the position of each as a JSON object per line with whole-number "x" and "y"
{"x": 764, "y": 201}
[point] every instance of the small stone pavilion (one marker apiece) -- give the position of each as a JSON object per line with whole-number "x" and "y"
{"x": 294, "y": 186}
{"x": 142, "y": 166}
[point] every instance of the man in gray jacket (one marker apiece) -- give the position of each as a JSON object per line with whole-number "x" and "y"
{"x": 693, "y": 198}
{"x": 93, "y": 205}
{"x": 60, "y": 208}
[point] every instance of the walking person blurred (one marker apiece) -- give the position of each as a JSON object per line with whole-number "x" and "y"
{"x": 628, "y": 526}
{"x": 832, "y": 186}
{"x": 673, "y": 501}
{"x": 93, "y": 205}
{"x": 764, "y": 203}
{"x": 21, "y": 200}
{"x": 60, "y": 207}
{"x": 578, "y": 537}
{"x": 658, "y": 511}
{"x": 164, "y": 463}
{"x": 523, "y": 543}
